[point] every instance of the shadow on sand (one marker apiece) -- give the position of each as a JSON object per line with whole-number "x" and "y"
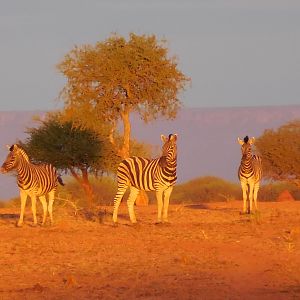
{"x": 209, "y": 207}
{"x": 9, "y": 216}
{"x": 196, "y": 206}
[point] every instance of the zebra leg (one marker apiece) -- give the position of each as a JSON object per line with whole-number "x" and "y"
{"x": 33, "y": 209}
{"x": 159, "y": 196}
{"x": 130, "y": 203}
{"x": 256, "y": 188}
{"x": 244, "y": 189}
{"x": 44, "y": 204}
{"x": 117, "y": 201}
{"x": 50, "y": 205}
{"x": 251, "y": 188}
{"x": 23, "y": 196}
{"x": 167, "y": 195}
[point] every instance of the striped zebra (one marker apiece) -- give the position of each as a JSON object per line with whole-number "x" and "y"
{"x": 33, "y": 181}
{"x": 249, "y": 173}
{"x": 157, "y": 175}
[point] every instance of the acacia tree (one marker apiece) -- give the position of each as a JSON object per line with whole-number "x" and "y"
{"x": 280, "y": 150}
{"x": 70, "y": 149}
{"x": 108, "y": 81}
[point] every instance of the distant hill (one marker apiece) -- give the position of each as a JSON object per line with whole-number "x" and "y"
{"x": 207, "y": 142}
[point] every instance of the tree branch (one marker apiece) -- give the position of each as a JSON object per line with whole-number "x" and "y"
{"x": 111, "y": 134}
{"x": 74, "y": 174}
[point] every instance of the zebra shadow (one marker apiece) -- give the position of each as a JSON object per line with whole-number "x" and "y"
{"x": 9, "y": 216}
{"x": 197, "y": 206}
{"x": 207, "y": 207}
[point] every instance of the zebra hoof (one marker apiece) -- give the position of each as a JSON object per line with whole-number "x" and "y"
{"x": 158, "y": 223}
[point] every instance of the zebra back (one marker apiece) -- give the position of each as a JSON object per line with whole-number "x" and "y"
{"x": 38, "y": 179}
{"x": 146, "y": 174}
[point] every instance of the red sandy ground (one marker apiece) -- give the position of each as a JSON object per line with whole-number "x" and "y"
{"x": 207, "y": 252}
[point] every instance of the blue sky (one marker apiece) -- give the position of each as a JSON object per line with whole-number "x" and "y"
{"x": 237, "y": 52}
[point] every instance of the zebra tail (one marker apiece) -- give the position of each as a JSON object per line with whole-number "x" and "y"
{"x": 60, "y": 180}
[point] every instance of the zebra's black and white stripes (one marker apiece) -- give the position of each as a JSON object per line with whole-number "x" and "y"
{"x": 249, "y": 173}
{"x": 33, "y": 181}
{"x": 140, "y": 173}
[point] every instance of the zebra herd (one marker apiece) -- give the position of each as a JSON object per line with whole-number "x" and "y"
{"x": 137, "y": 173}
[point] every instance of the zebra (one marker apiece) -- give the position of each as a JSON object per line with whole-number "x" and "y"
{"x": 249, "y": 173}
{"x": 157, "y": 175}
{"x": 33, "y": 180}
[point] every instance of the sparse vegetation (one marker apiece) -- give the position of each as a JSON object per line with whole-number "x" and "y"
{"x": 104, "y": 188}
{"x": 214, "y": 189}
{"x": 271, "y": 191}
{"x": 205, "y": 189}
{"x": 202, "y": 189}
{"x": 3, "y": 204}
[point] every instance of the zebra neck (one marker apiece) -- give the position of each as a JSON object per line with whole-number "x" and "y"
{"x": 170, "y": 169}
{"x": 246, "y": 163}
{"x": 164, "y": 162}
{"x": 22, "y": 168}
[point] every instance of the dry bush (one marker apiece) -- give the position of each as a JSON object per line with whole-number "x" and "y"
{"x": 3, "y": 204}
{"x": 271, "y": 191}
{"x": 15, "y": 202}
{"x": 104, "y": 189}
{"x": 205, "y": 189}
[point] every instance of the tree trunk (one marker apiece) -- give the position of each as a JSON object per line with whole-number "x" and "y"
{"x": 142, "y": 198}
{"x": 90, "y": 197}
{"x": 86, "y": 186}
{"x": 124, "y": 151}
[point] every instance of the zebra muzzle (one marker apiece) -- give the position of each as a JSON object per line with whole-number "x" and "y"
{"x": 3, "y": 170}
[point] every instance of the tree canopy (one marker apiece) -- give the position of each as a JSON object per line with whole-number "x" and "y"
{"x": 70, "y": 149}
{"x": 111, "y": 79}
{"x": 280, "y": 150}
{"x": 64, "y": 146}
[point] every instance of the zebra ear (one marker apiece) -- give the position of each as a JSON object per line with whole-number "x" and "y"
{"x": 252, "y": 140}
{"x": 241, "y": 142}
{"x": 163, "y": 138}
{"x": 174, "y": 137}
{"x": 8, "y": 147}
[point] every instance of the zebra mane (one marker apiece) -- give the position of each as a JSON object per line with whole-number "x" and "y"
{"x": 246, "y": 139}
{"x": 162, "y": 161}
{"x": 21, "y": 151}
{"x": 24, "y": 154}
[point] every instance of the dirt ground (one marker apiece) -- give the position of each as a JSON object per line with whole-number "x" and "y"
{"x": 208, "y": 251}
